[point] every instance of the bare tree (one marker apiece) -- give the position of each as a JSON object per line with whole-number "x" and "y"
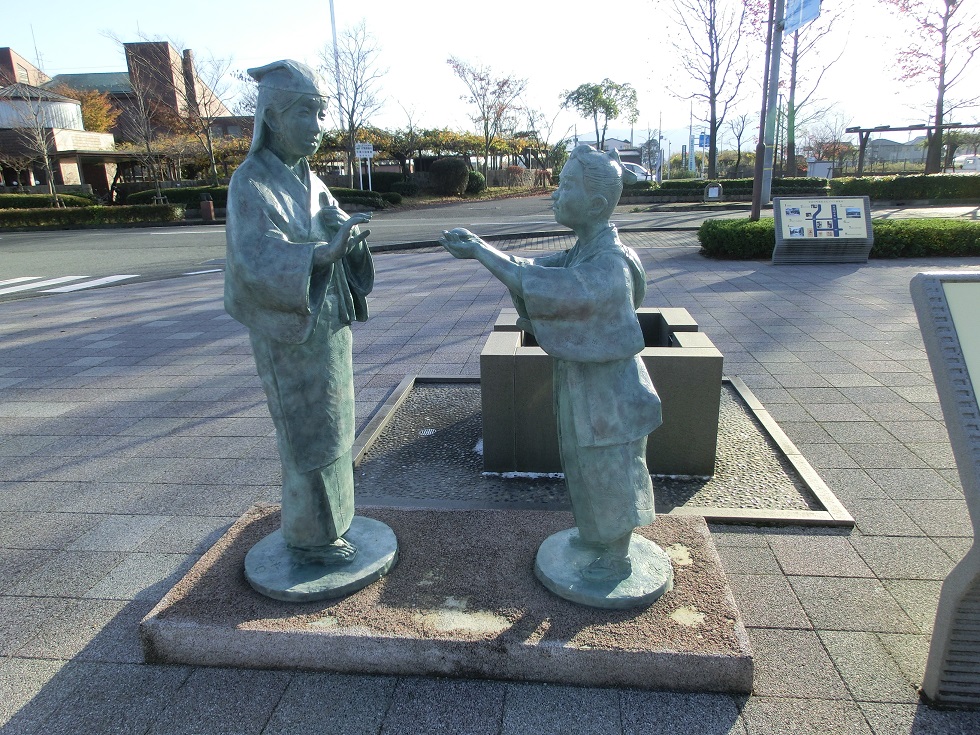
{"x": 34, "y": 133}
{"x": 19, "y": 162}
{"x": 948, "y": 39}
{"x": 493, "y": 97}
{"x": 193, "y": 92}
{"x": 825, "y": 140}
{"x": 738, "y": 124}
{"x": 354, "y": 77}
{"x": 709, "y": 51}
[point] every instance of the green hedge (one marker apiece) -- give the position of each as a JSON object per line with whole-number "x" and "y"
{"x": 899, "y": 238}
{"x": 898, "y": 188}
{"x": 189, "y": 196}
{"x": 737, "y": 239}
{"x": 383, "y": 181}
{"x": 369, "y": 199}
{"x": 780, "y": 187}
{"x": 42, "y": 201}
{"x": 51, "y": 217}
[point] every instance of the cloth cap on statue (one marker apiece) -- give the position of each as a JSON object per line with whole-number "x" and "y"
{"x": 287, "y": 76}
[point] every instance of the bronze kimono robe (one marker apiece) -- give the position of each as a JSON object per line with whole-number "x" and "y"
{"x": 581, "y": 307}
{"x": 299, "y": 325}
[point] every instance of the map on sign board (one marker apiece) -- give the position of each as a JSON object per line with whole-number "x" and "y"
{"x": 823, "y": 217}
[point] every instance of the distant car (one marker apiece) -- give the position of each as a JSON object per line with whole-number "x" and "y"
{"x": 637, "y": 170}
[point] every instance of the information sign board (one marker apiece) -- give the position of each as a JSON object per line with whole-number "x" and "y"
{"x": 364, "y": 150}
{"x": 799, "y": 13}
{"x": 822, "y": 229}
{"x": 947, "y": 304}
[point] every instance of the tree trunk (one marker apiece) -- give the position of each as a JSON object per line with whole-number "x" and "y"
{"x": 791, "y": 109}
{"x": 935, "y": 150}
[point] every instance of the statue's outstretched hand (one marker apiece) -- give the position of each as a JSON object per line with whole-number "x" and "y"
{"x": 461, "y": 243}
{"x": 341, "y": 242}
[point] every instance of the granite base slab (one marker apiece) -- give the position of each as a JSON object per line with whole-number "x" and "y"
{"x": 463, "y": 602}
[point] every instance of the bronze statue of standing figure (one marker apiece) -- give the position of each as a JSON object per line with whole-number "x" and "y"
{"x": 580, "y": 305}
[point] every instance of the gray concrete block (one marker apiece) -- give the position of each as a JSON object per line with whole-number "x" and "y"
{"x": 534, "y": 709}
{"x": 793, "y": 663}
{"x": 668, "y": 713}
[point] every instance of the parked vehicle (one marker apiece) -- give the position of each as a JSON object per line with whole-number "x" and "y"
{"x": 641, "y": 173}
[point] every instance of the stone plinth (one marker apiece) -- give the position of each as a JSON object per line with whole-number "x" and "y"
{"x": 520, "y": 433}
{"x": 463, "y": 601}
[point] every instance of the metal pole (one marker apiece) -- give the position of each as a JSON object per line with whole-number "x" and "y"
{"x": 336, "y": 73}
{"x": 777, "y": 47}
{"x": 760, "y": 148}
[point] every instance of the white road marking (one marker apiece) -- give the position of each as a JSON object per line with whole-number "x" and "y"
{"x": 18, "y": 280}
{"x": 41, "y": 284}
{"x": 89, "y": 284}
{"x": 199, "y": 273}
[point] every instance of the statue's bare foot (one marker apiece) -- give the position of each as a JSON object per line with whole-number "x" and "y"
{"x": 608, "y": 568}
{"x": 340, "y": 551}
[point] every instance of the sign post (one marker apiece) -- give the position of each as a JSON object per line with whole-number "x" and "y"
{"x": 364, "y": 150}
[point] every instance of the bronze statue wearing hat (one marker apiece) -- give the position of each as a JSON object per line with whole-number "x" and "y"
{"x": 297, "y": 273}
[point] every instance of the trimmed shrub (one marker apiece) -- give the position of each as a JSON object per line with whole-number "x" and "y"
{"x": 737, "y": 239}
{"x": 919, "y": 238}
{"x": 87, "y": 216}
{"x": 476, "y": 183}
{"x": 905, "y": 238}
{"x": 900, "y": 188}
{"x": 392, "y": 197}
{"x": 369, "y": 199}
{"x": 449, "y": 176}
{"x": 383, "y": 181}
{"x": 188, "y": 196}
{"x": 42, "y": 201}
{"x": 405, "y": 188}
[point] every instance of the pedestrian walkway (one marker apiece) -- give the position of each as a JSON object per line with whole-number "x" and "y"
{"x": 133, "y": 431}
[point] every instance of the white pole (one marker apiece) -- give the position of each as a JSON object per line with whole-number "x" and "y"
{"x": 777, "y": 48}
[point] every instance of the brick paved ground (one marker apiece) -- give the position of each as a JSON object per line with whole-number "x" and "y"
{"x": 133, "y": 430}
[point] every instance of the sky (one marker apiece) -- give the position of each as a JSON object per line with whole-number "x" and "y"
{"x": 554, "y": 48}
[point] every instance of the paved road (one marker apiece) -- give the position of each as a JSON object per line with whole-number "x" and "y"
{"x": 45, "y": 262}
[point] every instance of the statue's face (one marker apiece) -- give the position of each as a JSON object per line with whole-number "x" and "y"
{"x": 572, "y": 203}
{"x": 297, "y": 131}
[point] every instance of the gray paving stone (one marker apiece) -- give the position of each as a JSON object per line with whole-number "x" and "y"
{"x": 27, "y": 695}
{"x": 899, "y": 719}
{"x": 828, "y": 556}
{"x": 21, "y": 617}
{"x": 918, "y": 597}
{"x": 939, "y": 517}
{"x": 353, "y": 705}
{"x": 30, "y": 530}
{"x": 850, "y": 603}
{"x": 748, "y": 560}
{"x": 142, "y": 576}
{"x": 666, "y": 713}
{"x": 767, "y": 601}
{"x": 15, "y": 564}
{"x": 535, "y": 709}
{"x": 793, "y": 663}
{"x": 65, "y": 634}
{"x": 903, "y": 557}
{"x": 771, "y": 716}
{"x": 867, "y": 667}
{"x": 909, "y": 652}
{"x": 68, "y": 574}
{"x": 445, "y": 706}
{"x": 882, "y": 517}
{"x": 885, "y": 456}
{"x": 224, "y": 701}
{"x": 114, "y": 699}
{"x": 118, "y": 533}
{"x": 917, "y": 484}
